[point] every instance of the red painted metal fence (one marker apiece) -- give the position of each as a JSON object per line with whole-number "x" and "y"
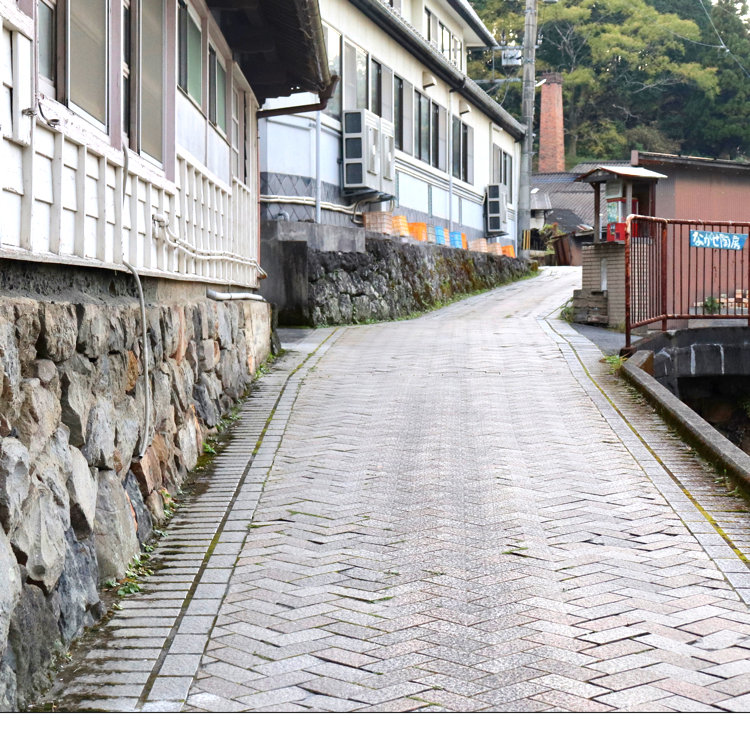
{"x": 668, "y": 278}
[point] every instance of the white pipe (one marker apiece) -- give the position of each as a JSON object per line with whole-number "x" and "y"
{"x": 144, "y": 329}
{"x": 307, "y": 200}
{"x": 146, "y": 375}
{"x": 232, "y": 296}
{"x": 318, "y": 175}
{"x": 175, "y": 242}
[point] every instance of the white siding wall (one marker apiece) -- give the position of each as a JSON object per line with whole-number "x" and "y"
{"x": 289, "y": 147}
{"x": 61, "y": 189}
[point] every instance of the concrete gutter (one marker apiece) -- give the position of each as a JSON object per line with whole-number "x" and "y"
{"x": 708, "y": 441}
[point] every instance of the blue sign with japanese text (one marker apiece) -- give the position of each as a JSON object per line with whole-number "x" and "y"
{"x": 718, "y": 240}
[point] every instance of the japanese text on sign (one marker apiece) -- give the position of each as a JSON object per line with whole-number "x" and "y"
{"x": 718, "y": 240}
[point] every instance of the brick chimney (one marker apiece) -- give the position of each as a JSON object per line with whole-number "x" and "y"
{"x": 551, "y": 126}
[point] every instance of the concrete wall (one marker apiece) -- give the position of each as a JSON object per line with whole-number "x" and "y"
{"x": 386, "y": 279}
{"x": 77, "y": 500}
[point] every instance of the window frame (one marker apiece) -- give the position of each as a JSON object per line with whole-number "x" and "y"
{"x": 65, "y": 94}
{"x": 216, "y": 114}
{"x": 398, "y": 111}
{"x": 187, "y": 12}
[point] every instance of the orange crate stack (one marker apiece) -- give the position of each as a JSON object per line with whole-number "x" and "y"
{"x": 509, "y": 251}
{"x": 464, "y": 241}
{"x": 400, "y": 226}
{"x": 479, "y": 245}
{"x": 418, "y": 231}
{"x": 379, "y": 221}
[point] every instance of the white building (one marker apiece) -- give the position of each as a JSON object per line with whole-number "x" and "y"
{"x": 405, "y": 62}
{"x": 128, "y": 129}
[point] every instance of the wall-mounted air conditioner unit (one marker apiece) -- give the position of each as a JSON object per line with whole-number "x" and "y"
{"x": 497, "y": 209}
{"x": 388, "y": 158}
{"x": 362, "y": 151}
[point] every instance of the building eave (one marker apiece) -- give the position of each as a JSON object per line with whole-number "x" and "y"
{"x": 278, "y": 44}
{"x": 470, "y": 16}
{"x": 641, "y": 158}
{"x": 409, "y": 38}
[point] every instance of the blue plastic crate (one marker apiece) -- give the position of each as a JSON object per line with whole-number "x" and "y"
{"x": 439, "y": 235}
{"x": 456, "y": 240}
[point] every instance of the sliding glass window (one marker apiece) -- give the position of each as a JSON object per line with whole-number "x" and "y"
{"x": 87, "y": 56}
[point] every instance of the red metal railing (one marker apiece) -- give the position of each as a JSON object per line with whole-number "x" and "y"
{"x": 666, "y": 278}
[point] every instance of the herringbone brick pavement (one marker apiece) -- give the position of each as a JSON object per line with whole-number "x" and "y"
{"x": 464, "y": 512}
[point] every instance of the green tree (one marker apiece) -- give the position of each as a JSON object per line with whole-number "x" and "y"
{"x": 629, "y": 68}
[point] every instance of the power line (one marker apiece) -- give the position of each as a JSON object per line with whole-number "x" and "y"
{"x": 721, "y": 40}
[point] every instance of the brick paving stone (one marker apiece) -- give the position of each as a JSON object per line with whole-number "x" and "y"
{"x": 462, "y": 512}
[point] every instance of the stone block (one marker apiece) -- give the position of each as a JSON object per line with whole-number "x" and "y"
{"x": 59, "y": 331}
{"x": 33, "y": 640}
{"x": 148, "y": 472}
{"x": 80, "y": 605}
{"x": 82, "y": 490}
{"x": 99, "y": 448}
{"x": 39, "y": 416}
{"x": 10, "y": 586}
{"x": 93, "y": 331}
{"x": 77, "y": 382}
{"x": 39, "y": 539}
{"x": 15, "y": 482}
{"x": 115, "y": 536}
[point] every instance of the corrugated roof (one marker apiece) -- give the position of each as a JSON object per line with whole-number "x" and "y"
{"x": 599, "y": 174}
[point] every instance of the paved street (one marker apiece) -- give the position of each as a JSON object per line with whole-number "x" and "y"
{"x": 460, "y": 512}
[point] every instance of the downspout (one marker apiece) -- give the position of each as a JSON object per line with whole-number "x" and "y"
{"x": 449, "y": 136}
{"x": 318, "y": 175}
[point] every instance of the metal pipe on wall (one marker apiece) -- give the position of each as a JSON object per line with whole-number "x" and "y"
{"x": 318, "y": 175}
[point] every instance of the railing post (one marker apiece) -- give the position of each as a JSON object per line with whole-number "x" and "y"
{"x": 664, "y": 266}
{"x": 628, "y": 229}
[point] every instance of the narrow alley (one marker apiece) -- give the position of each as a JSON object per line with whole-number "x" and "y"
{"x": 460, "y": 512}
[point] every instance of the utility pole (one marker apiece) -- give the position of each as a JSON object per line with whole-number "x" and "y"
{"x": 527, "y": 117}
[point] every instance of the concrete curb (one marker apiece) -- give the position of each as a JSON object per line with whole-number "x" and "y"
{"x": 697, "y": 430}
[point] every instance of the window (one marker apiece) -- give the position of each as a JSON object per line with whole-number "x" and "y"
{"x": 190, "y": 54}
{"x": 508, "y": 174}
{"x": 127, "y": 61}
{"x": 463, "y": 150}
{"x": 422, "y": 127}
{"x": 87, "y": 59}
{"x": 458, "y": 51}
{"x": 376, "y": 88}
{"x": 143, "y": 76}
{"x": 152, "y": 78}
{"x": 217, "y": 91}
{"x": 445, "y": 40}
{"x": 428, "y": 24}
{"x": 435, "y": 127}
{"x": 47, "y": 21}
{"x": 398, "y": 111}
{"x": 361, "y": 65}
{"x": 333, "y": 46}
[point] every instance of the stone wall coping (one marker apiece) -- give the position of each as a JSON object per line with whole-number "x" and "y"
{"x": 697, "y": 430}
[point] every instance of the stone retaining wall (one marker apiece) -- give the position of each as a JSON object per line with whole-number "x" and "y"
{"x": 76, "y": 502}
{"x": 391, "y": 279}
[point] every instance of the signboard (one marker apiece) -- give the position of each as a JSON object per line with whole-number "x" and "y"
{"x": 718, "y": 240}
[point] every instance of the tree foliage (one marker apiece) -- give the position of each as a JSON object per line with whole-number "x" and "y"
{"x": 663, "y": 75}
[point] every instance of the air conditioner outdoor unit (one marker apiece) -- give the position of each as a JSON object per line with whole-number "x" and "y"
{"x": 362, "y": 152}
{"x": 497, "y": 209}
{"x": 388, "y": 158}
